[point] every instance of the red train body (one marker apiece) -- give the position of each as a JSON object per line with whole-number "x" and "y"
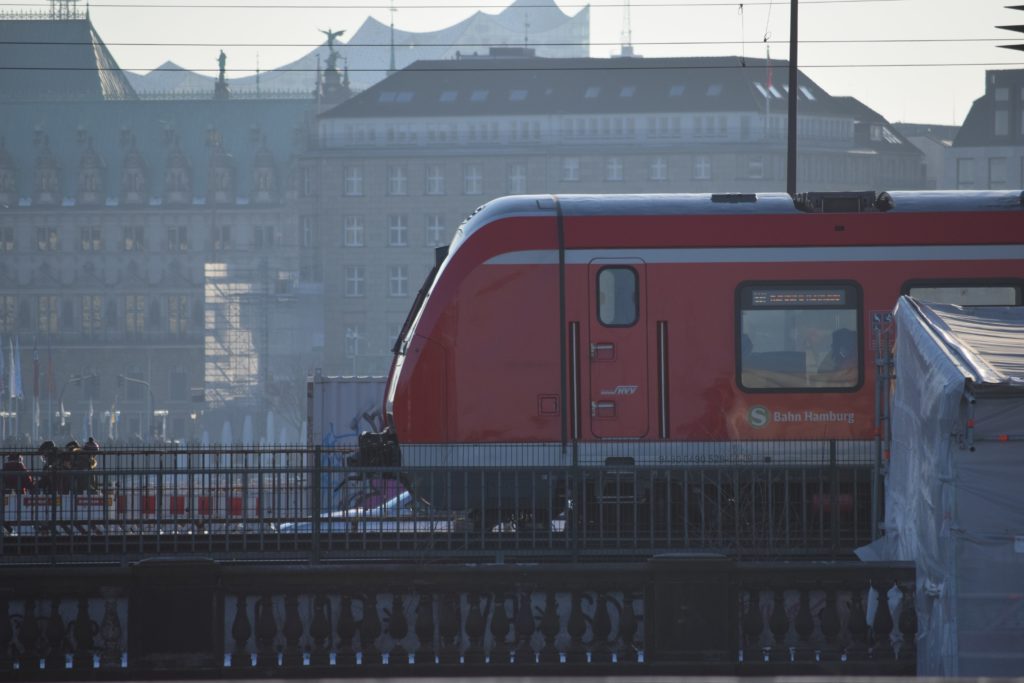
{"x": 593, "y": 320}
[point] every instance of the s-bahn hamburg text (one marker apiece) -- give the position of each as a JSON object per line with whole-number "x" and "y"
{"x": 569, "y": 325}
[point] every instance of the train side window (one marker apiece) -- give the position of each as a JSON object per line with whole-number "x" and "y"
{"x": 966, "y": 293}
{"x": 799, "y": 337}
{"x": 617, "y": 297}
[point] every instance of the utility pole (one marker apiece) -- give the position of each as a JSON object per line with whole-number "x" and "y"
{"x": 791, "y": 130}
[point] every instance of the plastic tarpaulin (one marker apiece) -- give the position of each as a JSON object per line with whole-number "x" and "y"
{"x": 953, "y": 486}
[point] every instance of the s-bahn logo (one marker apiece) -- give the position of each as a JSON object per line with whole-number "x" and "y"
{"x": 759, "y": 417}
{"x": 621, "y": 390}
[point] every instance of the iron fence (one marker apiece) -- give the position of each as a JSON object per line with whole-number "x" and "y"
{"x": 506, "y": 501}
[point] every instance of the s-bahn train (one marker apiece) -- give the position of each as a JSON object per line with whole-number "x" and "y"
{"x": 558, "y": 328}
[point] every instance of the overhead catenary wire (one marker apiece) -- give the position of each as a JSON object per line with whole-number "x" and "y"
{"x": 474, "y": 6}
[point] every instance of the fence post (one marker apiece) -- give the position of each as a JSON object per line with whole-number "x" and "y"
{"x": 833, "y": 498}
{"x": 315, "y": 504}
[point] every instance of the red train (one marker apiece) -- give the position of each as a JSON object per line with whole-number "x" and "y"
{"x": 580, "y": 323}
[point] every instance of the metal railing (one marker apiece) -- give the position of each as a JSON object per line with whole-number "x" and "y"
{"x": 507, "y": 501}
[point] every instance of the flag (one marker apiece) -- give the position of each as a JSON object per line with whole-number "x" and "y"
{"x": 12, "y": 381}
{"x": 35, "y": 371}
{"x": 51, "y": 379}
{"x": 3, "y": 373}
{"x": 17, "y": 392}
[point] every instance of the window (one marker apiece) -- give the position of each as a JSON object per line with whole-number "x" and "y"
{"x": 1002, "y": 94}
{"x": 755, "y": 167}
{"x": 353, "y": 335}
{"x": 47, "y": 239}
{"x": 702, "y": 167}
{"x": 473, "y": 179}
{"x": 398, "y": 181}
{"x": 997, "y": 173}
{"x": 571, "y": 169}
{"x": 263, "y": 236}
{"x": 714, "y": 90}
{"x": 354, "y": 231}
{"x": 516, "y": 95}
{"x": 449, "y": 95}
{"x": 177, "y": 314}
{"x": 8, "y": 309}
{"x": 627, "y": 91}
{"x": 398, "y": 281}
{"x": 67, "y": 315}
{"x": 134, "y": 313}
{"x": 592, "y": 92}
{"x": 7, "y": 238}
{"x": 353, "y": 181}
{"x": 222, "y": 236}
{"x": 966, "y": 293}
{"x": 46, "y": 314}
{"x": 676, "y": 90}
{"x": 307, "y": 181}
{"x": 435, "y": 179}
{"x": 613, "y": 169}
{"x": 799, "y": 336}
{"x": 435, "y": 230}
{"x": 1001, "y": 125}
{"x": 617, "y": 297}
{"x": 133, "y": 239}
{"x": 92, "y": 314}
{"x": 964, "y": 174}
{"x": 658, "y": 169}
{"x": 398, "y": 230}
{"x": 355, "y": 276}
{"x": 517, "y": 178}
{"x": 478, "y": 96}
{"x": 308, "y": 232}
{"x": 177, "y": 238}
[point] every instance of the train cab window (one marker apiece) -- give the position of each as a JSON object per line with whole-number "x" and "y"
{"x": 799, "y": 337}
{"x": 967, "y": 293}
{"x": 617, "y": 297}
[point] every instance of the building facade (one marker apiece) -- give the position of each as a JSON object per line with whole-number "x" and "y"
{"x": 399, "y": 165}
{"x": 988, "y": 151}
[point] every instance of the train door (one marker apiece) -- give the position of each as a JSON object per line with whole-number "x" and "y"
{"x": 618, "y": 349}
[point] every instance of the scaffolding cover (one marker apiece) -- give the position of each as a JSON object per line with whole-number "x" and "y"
{"x": 953, "y": 487}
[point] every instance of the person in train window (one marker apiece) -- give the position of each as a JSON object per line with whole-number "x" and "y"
{"x": 839, "y": 367}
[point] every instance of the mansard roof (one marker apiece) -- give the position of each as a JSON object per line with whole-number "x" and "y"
{"x": 539, "y": 86}
{"x": 57, "y": 59}
{"x": 979, "y": 128}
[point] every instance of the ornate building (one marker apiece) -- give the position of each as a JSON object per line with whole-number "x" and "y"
{"x": 152, "y": 266}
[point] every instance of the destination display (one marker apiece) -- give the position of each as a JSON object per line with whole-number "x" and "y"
{"x": 797, "y": 297}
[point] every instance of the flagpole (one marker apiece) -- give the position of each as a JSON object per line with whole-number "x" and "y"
{"x": 791, "y": 130}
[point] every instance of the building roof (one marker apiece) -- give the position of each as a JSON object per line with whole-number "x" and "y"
{"x": 48, "y": 59}
{"x": 539, "y": 86}
{"x": 367, "y": 52}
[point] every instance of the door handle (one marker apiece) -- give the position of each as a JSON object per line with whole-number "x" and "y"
{"x": 602, "y": 409}
{"x": 602, "y": 350}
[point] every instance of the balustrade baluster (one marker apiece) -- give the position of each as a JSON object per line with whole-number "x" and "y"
{"x": 6, "y": 635}
{"x": 803, "y": 624}
{"x": 292, "y": 631}
{"x": 111, "y": 634}
{"x": 752, "y": 623}
{"x": 907, "y": 624}
{"x": 370, "y": 630}
{"x": 525, "y": 628}
{"x": 241, "y": 630}
{"x": 881, "y": 629}
{"x": 857, "y": 624}
{"x": 320, "y": 629}
{"x": 55, "y": 637}
{"x": 830, "y": 624}
{"x": 629, "y": 626}
{"x": 398, "y": 629}
{"x": 266, "y": 631}
{"x": 601, "y": 629}
{"x": 476, "y": 629}
{"x": 83, "y": 630}
{"x": 346, "y": 632}
{"x": 449, "y": 626}
{"x": 29, "y": 635}
{"x": 778, "y": 624}
{"x": 499, "y": 629}
{"x": 425, "y": 651}
{"x": 549, "y": 626}
{"x": 576, "y": 628}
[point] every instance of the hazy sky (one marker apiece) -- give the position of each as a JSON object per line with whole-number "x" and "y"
{"x": 929, "y": 56}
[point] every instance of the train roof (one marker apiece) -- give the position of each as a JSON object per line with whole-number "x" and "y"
{"x": 768, "y": 203}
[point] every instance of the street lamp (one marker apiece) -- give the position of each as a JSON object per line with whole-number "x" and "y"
{"x": 6, "y": 415}
{"x": 73, "y": 379}
{"x": 126, "y": 378}
{"x": 162, "y": 415}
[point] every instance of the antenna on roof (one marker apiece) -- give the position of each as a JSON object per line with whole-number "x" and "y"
{"x": 391, "y": 69}
{"x": 626, "y": 49}
{"x": 526, "y": 29}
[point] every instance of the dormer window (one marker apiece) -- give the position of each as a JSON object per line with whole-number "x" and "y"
{"x": 714, "y": 90}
